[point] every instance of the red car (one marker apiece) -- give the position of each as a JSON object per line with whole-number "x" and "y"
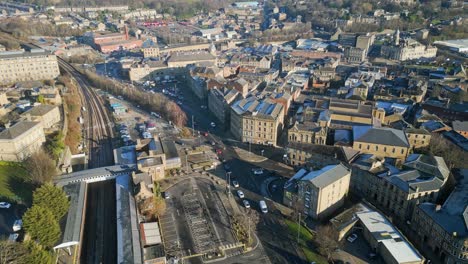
{"x": 219, "y": 151}
{"x": 205, "y": 134}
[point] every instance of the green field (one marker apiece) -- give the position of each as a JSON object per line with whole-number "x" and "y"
{"x": 14, "y": 183}
{"x": 305, "y": 242}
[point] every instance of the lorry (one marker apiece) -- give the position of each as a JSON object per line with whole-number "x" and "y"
{"x": 263, "y": 206}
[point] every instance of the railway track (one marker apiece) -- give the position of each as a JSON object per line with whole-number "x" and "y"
{"x": 98, "y": 130}
{"x": 100, "y": 234}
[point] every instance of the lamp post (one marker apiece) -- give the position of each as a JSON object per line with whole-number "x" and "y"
{"x": 228, "y": 174}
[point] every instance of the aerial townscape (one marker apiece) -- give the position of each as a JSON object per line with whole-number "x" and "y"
{"x": 234, "y": 132}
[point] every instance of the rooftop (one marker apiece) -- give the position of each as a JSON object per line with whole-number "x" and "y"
{"x": 40, "y": 110}
{"x": 453, "y": 215}
{"x": 383, "y": 231}
{"x": 23, "y": 54}
{"x": 71, "y": 233}
{"x": 17, "y": 130}
{"x": 383, "y": 136}
{"x": 263, "y": 108}
{"x": 191, "y": 56}
{"x": 323, "y": 177}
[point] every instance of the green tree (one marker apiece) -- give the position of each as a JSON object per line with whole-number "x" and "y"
{"x": 56, "y": 145}
{"x": 40, "y": 223}
{"x": 40, "y": 99}
{"x": 53, "y": 198}
{"x": 36, "y": 254}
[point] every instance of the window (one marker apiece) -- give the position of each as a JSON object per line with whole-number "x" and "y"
{"x": 368, "y": 147}
{"x": 360, "y": 146}
{"x": 402, "y": 151}
{"x": 393, "y": 150}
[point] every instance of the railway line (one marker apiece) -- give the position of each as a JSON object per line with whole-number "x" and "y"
{"x": 98, "y": 131}
{"x": 100, "y": 230}
{"x": 100, "y": 236}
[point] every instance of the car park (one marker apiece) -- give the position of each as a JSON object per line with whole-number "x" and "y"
{"x": 246, "y": 204}
{"x": 352, "y": 238}
{"x": 240, "y": 194}
{"x": 5, "y": 205}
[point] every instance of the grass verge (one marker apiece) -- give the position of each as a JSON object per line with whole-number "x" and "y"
{"x": 305, "y": 242}
{"x": 15, "y": 185}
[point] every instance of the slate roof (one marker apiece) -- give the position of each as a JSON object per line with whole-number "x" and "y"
{"x": 453, "y": 216}
{"x": 17, "y": 130}
{"x": 326, "y": 176}
{"x": 265, "y": 108}
{"x": 40, "y": 110}
{"x": 383, "y": 136}
{"x": 421, "y": 173}
{"x": 460, "y": 125}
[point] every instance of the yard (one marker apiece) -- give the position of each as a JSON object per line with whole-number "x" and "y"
{"x": 305, "y": 242}
{"x": 14, "y": 183}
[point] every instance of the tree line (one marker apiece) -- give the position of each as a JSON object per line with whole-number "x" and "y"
{"x": 152, "y": 102}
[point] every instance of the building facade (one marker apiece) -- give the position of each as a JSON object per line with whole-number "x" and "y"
{"x": 398, "y": 191}
{"x": 318, "y": 193}
{"x": 34, "y": 65}
{"x": 443, "y": 228}
{"x": 258, "y": 121}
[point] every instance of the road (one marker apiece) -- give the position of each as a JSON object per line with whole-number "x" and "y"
{"x": 100, "y": 231}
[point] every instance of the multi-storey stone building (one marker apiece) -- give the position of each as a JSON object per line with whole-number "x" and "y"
{"x": 408, "y": 49}
{"x": 21, "y": 140}
{"x": 381, "y": 142}
{"x": 318, "y": 193}
{"x": 398, "y": 191}
{"x": 37, "y": 64}
{"x": 219, "y": 103}
{"x": 258, "y": 121}
{"x": 444, "y": 228}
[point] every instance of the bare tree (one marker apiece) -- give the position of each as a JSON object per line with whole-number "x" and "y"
{"x": 326, "y": 240}
{"x": 11, "y": 253}
{"x": 41, "y": 167}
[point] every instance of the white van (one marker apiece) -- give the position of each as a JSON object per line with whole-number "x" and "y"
{"x": 263, "y": 206}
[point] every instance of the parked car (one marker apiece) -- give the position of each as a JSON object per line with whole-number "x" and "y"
{"x": 246, "y": 204}
{"x": 213, "y": 124}
{"x": 257, "y": 171}
{"x": 352, "y": 238}
{"x": 13, "y": 237}
{"x": 167, "y": 195}
{"x": 17, "y": 225}
{"x": 240, "y": 194}
{"x": 5, "y": 205}
{"x": 263, "y": 206}
{"x": 235, "y": 184}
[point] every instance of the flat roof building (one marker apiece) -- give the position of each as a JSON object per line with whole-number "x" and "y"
{"x": 386, "y": 240}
